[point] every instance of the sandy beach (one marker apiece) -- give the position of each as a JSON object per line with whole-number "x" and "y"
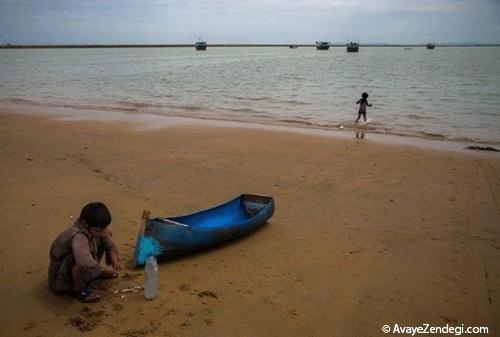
{"x": 364, "y": 234}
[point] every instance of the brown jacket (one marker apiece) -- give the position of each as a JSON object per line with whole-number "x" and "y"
{"x": 75, "y": 246}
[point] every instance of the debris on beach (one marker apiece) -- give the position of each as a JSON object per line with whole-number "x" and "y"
{"x": 81, "y": 323}
{"x": 133, "y": 289}
{"x": 87, "y": 320}
{"x": 483, "y": 148}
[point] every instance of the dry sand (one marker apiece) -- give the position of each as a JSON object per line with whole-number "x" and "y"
{"x": 363, "y": 235}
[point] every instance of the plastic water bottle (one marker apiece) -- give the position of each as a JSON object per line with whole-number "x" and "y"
{"x": 151, "y": 275}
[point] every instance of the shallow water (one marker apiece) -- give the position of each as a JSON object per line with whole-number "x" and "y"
{"x": 448, "y": 92}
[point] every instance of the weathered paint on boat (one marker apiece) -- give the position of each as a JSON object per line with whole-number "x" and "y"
{"x": 166, "y": 238}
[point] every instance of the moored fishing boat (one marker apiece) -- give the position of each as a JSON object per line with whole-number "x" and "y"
{"x": 200, "y": 45}
{"x": 166, "y": 238}
{"x": 352, "y": 47}
{"x": 322, "y": 45}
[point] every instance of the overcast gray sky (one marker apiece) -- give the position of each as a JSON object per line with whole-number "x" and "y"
{"x": 252, "y": 21}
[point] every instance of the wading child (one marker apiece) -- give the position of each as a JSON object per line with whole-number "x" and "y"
{"x": 363, "y": 103}
{"x": 76, "y": 253}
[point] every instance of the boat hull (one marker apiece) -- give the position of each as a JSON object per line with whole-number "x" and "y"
{"x": 352, "y": 47}
{"x": 200, "y": 45}
{"x": 167, "y": 238}
{"x": 322, "y": 45}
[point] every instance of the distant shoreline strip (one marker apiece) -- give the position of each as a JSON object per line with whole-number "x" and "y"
{"x": 39, "y": 46}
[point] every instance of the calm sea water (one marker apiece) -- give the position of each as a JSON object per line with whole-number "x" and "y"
{"x": 447, "y": 92}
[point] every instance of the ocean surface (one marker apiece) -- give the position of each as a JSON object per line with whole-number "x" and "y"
{"x": 448, "y": 92}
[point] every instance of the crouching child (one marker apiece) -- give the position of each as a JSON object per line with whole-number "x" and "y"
{"x": 76, "y": 253}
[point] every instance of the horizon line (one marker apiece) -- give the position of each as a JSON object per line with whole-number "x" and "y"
{"x": 170, "y": 45}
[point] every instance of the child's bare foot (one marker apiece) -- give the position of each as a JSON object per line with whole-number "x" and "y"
{"x": 86, "y": 295}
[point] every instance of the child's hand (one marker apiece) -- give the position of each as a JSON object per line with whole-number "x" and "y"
{"x": 108, "y": 272}
{"x": 115, "y": 262}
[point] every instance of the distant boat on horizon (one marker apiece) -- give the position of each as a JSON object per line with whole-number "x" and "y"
{"x": 431, "y": 46}
{"x": 322, "y": 45}
{"x": 293, "y": 46}
{"x": 352, "y": 47}
{"x": 200, "y": 45}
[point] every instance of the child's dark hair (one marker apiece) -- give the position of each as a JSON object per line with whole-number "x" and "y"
{"x": 96, "y": 214}
{"x": 364, "y": 95}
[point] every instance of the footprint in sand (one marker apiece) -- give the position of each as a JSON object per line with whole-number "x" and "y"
{"x": 184, "y": 287}
{"x": 130, "y": 276}
{"x": 118, "y": 307}
{"x": 29, "y": 326}
{"x": 205, "y": 294}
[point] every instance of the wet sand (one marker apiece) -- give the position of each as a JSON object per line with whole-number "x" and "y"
{"x": 364, "y": 234}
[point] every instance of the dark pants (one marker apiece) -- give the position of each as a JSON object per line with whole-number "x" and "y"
{"x": 61, "y": 274}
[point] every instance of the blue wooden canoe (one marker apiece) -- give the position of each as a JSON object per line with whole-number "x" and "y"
{"x": 166, "y": 238}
